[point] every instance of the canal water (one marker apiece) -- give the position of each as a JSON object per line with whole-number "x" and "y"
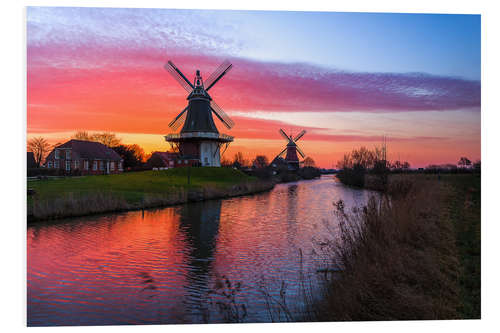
{"x": 170, "y": 265}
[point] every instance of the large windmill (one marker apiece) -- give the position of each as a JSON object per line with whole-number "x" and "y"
{"x": 292, "y": 149}
{"x": 199, "y": 142}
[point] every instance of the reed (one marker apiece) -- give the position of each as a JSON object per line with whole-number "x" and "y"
{"x": 397, "y": 258}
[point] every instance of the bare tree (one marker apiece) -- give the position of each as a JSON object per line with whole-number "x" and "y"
{"x": 260, "y": 161}
{"x": 82, "y": 135}
{"x": 40, "y": 148}
{"x": 106, "y": 138}
{"x": 309, "y": 162}
{"x": 464, "y": 162}
{"x": 225, "y": 162}
{"x": 239, "y": 160}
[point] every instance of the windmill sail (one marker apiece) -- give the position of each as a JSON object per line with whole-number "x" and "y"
{"x": 221, "y": 115}
{"x": 281, "y": 152}
{"x": 300, "y": 152}
{"x": 210, "y": 82}
{"x": 178, "y": 76}
{"x": 284, "y": 135}
{"x": 301, "y": 134}
{"x": 174, "y": 124}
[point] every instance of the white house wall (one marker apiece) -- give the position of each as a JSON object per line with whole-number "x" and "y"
{"x": 209, "y": 154}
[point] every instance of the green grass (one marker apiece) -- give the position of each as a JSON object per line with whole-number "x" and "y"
{"x": 132, "y": 186}
{"x": 78, "y": 196}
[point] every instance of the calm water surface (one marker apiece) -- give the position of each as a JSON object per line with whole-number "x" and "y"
{"x": 161, "y": 266}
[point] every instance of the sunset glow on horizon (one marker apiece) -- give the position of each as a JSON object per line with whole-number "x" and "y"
{"x": 346, "y": 78}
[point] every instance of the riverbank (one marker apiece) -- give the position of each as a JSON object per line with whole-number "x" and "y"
{"x": 413, "y": 255}
{"x": 79, "y": 196}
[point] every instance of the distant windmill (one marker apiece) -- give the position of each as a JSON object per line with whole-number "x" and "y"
{"x": 199, "y": 142}
{"x": 292, "y": 149}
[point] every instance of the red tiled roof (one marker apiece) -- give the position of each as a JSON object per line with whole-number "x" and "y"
{"x": 88, "y": 150}
{"x": 165, "y": 156}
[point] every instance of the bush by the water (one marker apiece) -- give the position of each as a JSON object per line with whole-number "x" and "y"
{"x": 309, "y": 172}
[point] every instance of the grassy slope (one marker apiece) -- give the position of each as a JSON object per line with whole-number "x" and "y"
{"x": 132, "y": 186}
{"x": 78, "y": 196}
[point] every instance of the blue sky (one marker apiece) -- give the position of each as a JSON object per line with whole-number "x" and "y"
{"x": 446, "y": 45}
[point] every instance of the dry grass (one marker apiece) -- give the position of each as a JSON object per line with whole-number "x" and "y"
{"x": 397, "y": 257}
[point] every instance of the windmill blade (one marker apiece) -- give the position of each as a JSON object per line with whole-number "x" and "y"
{"x": 178, "y": 76}
{"x": 221, "y": 71}
{"x": 174, "y": 124}
{"x": 300, "y": 152}
{"x": 301, "y": 134}
{"x": 283, "y": 134}
{"x": 281, "y": 153}
{"x": 221, "y": 115}
{"x": 216, "y": 72}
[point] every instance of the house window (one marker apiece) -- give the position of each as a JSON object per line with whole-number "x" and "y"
{"x": 120, "y": 166}
{"x": 86, "y": 165}
{"x": 171, "y": 163}
{"x": 68, "y": 154}
{"x": 56, "y": 164}
{"x": 112, "y": 166}
{"x": 185, "y": 161}
{"x": 68, "y": 165}
{"x": 49, "y": 164}
{"x": 94, "y": 166}
{"x": 206, "y": 160}
{"x": 57, "y": 154}
{"x": 101, "y": 165}
{"x": 77, "y": 164}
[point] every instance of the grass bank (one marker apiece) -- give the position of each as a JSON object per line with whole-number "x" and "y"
{"x": 415, "y": 254}
{"x": 78, "y": 196}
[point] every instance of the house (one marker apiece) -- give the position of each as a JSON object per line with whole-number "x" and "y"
{"x": 160, "y": 159}
{"x": 84, "y": 157}
{"x": 30, "y": 160}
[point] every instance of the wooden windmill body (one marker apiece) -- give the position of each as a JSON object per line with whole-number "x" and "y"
{"x": 199, "y": 142}
{"x": 291, "y": 149}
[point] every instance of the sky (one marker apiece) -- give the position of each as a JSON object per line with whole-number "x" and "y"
{"x": 348, "y": 79}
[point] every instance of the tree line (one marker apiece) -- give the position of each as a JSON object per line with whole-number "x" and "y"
{"x": 356, "y": 164}
{"x": 259, "y": 162}
{"x": 134, "y": 156}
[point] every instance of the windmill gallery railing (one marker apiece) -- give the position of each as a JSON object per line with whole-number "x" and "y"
{"x": 210, "y": 135}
